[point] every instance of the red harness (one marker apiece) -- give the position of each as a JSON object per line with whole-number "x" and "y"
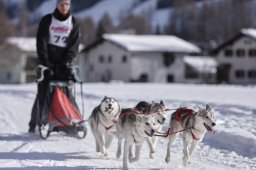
{"x": 128, "y": 112}
{"x": 180, "y": 112}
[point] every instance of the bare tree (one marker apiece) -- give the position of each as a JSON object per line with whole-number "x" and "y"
{"x": 105, "y": 26}
{"x": 6, "y": 28}
{"x": 88, "y": 31}
{"x": 22, "y": 27}
{"x": 137, "y": 23}
{"x": 212, "y": 20}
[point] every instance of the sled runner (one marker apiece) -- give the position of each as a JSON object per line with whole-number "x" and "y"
{"x": 59, "y": 112}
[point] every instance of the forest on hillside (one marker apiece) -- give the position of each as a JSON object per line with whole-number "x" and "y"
{"x": 205, "y": 22}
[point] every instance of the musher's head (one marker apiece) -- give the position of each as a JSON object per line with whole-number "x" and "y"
{"x": 63, "y": 6}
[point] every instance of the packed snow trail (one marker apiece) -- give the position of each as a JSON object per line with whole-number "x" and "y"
{"x": 232, "y": 147}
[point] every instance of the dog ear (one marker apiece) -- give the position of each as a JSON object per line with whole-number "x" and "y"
{"x": 208, "y": 108}
{"x": 105, "y": 97}
{"x": 161, "y": 103}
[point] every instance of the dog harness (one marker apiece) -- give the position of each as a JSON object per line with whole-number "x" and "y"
{"x": 129, "y": 111}
{"x": 180, "y": 112}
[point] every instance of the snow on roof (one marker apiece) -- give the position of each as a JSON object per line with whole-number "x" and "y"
{"x": 249, "y": 32}
{"x": 201, "y": 63}
{"x": 23, "y": 43}
{"x": 152, "y": 43}
{"x": 28, "y": 44}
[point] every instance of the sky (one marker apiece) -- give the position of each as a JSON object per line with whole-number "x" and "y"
{"x": 232, "y": 147}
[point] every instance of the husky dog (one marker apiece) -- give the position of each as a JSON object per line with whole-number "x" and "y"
{"x": 158, "y": 110}
{"x": 102, "y": 120}
{"x": 134, "y": 128}
{"x": 194, "y": 126}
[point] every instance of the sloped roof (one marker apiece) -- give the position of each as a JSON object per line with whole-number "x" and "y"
{"x": 148, "y": 43}
{"x": 249, "y": 32}
{"x": 202, "y": 64}
{"x": 23, "y": 43}
{"x": 151, "y": 43}
{"x": 28, "y": 44}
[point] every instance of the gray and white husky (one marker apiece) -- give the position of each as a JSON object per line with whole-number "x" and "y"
{"x": 159, "y": 111}
{"x": 103, "y": 121}
{"x": 194, "y": 125}
{"x": 134, "y": 128}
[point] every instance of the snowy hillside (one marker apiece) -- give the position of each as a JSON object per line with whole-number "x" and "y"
{"x": 233, "y": 147}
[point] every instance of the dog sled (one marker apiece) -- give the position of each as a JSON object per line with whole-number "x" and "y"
{"x": 59, "y": 111}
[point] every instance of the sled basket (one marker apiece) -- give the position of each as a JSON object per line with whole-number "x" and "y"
{"x": 62, "y": 113}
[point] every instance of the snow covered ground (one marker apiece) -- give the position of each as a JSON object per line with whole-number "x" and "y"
{"x": 232, "y": 147}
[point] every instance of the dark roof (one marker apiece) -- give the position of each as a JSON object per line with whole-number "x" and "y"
{"x": 231, "y": 41}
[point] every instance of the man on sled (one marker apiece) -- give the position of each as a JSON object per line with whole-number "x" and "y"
{"x": 57, "y": 46}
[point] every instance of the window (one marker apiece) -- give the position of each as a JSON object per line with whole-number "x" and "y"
{"x": 143, "y": 78}
{"x": 168, "y": 59}
{"x": 228, "y": 53}
{"x": 239, "y": 74}
{"x": 252, "y": 52}
{"x": 101, "y": 59}
{"x": 240, "y": 53}
{"x": 252, "y": 74}
{"x": 124, "y": 59}
{"x": 110, "y": 59}
{"x": 170, "y": 78}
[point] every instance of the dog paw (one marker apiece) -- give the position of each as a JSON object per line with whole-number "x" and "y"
{"x": 118, "y": 155}
{"x": 151, "y": 156}
{"x": 167, "y": 159}
{"x": 131, "y": 160}
{"x": 185, "y": 162}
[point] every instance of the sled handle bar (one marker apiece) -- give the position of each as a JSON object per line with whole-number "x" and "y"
{"x": 41, "y": 68}
{"x": 75, "y": 70}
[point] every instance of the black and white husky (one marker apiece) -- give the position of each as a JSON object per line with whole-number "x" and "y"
{"x": 134, "y": 128}
{"x": 103, "y": 121}
{"x": 193, "y": 125}
{"x": 159, "y": 111}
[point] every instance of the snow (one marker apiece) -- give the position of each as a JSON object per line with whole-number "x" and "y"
{"x": 45, "y": 8}
{"x": 202, "y": 63}
{"x": 249, "y": 32}
{"x": 161, "y": 19}
{"x": 23, "y": 43}
{"x": 149, "y": 43}
{"x": 145, "y": 6}
{"x": 115, "y": 9}
{"x": 232, "y": 147}
{"x": 28, "y": 44}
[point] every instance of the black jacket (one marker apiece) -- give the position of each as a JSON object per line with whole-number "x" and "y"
{"x": 51, "y": 55}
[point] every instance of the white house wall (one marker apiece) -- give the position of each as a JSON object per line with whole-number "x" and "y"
{"x": 239, "y": 63}
{"x": 145, "y": 63}
{"x": 118, "y": 69}
{"x": 177, "y": 69}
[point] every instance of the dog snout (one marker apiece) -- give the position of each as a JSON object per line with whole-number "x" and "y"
{"x": 152, "y": 131}
{"x": 109, "y": 105}
{"x": 213, "y": 124}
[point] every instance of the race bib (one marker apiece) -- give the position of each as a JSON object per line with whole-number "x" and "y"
{"x": 60, "y": 31}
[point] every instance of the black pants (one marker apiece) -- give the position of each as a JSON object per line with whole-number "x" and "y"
{"x": 38, "y": 104}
